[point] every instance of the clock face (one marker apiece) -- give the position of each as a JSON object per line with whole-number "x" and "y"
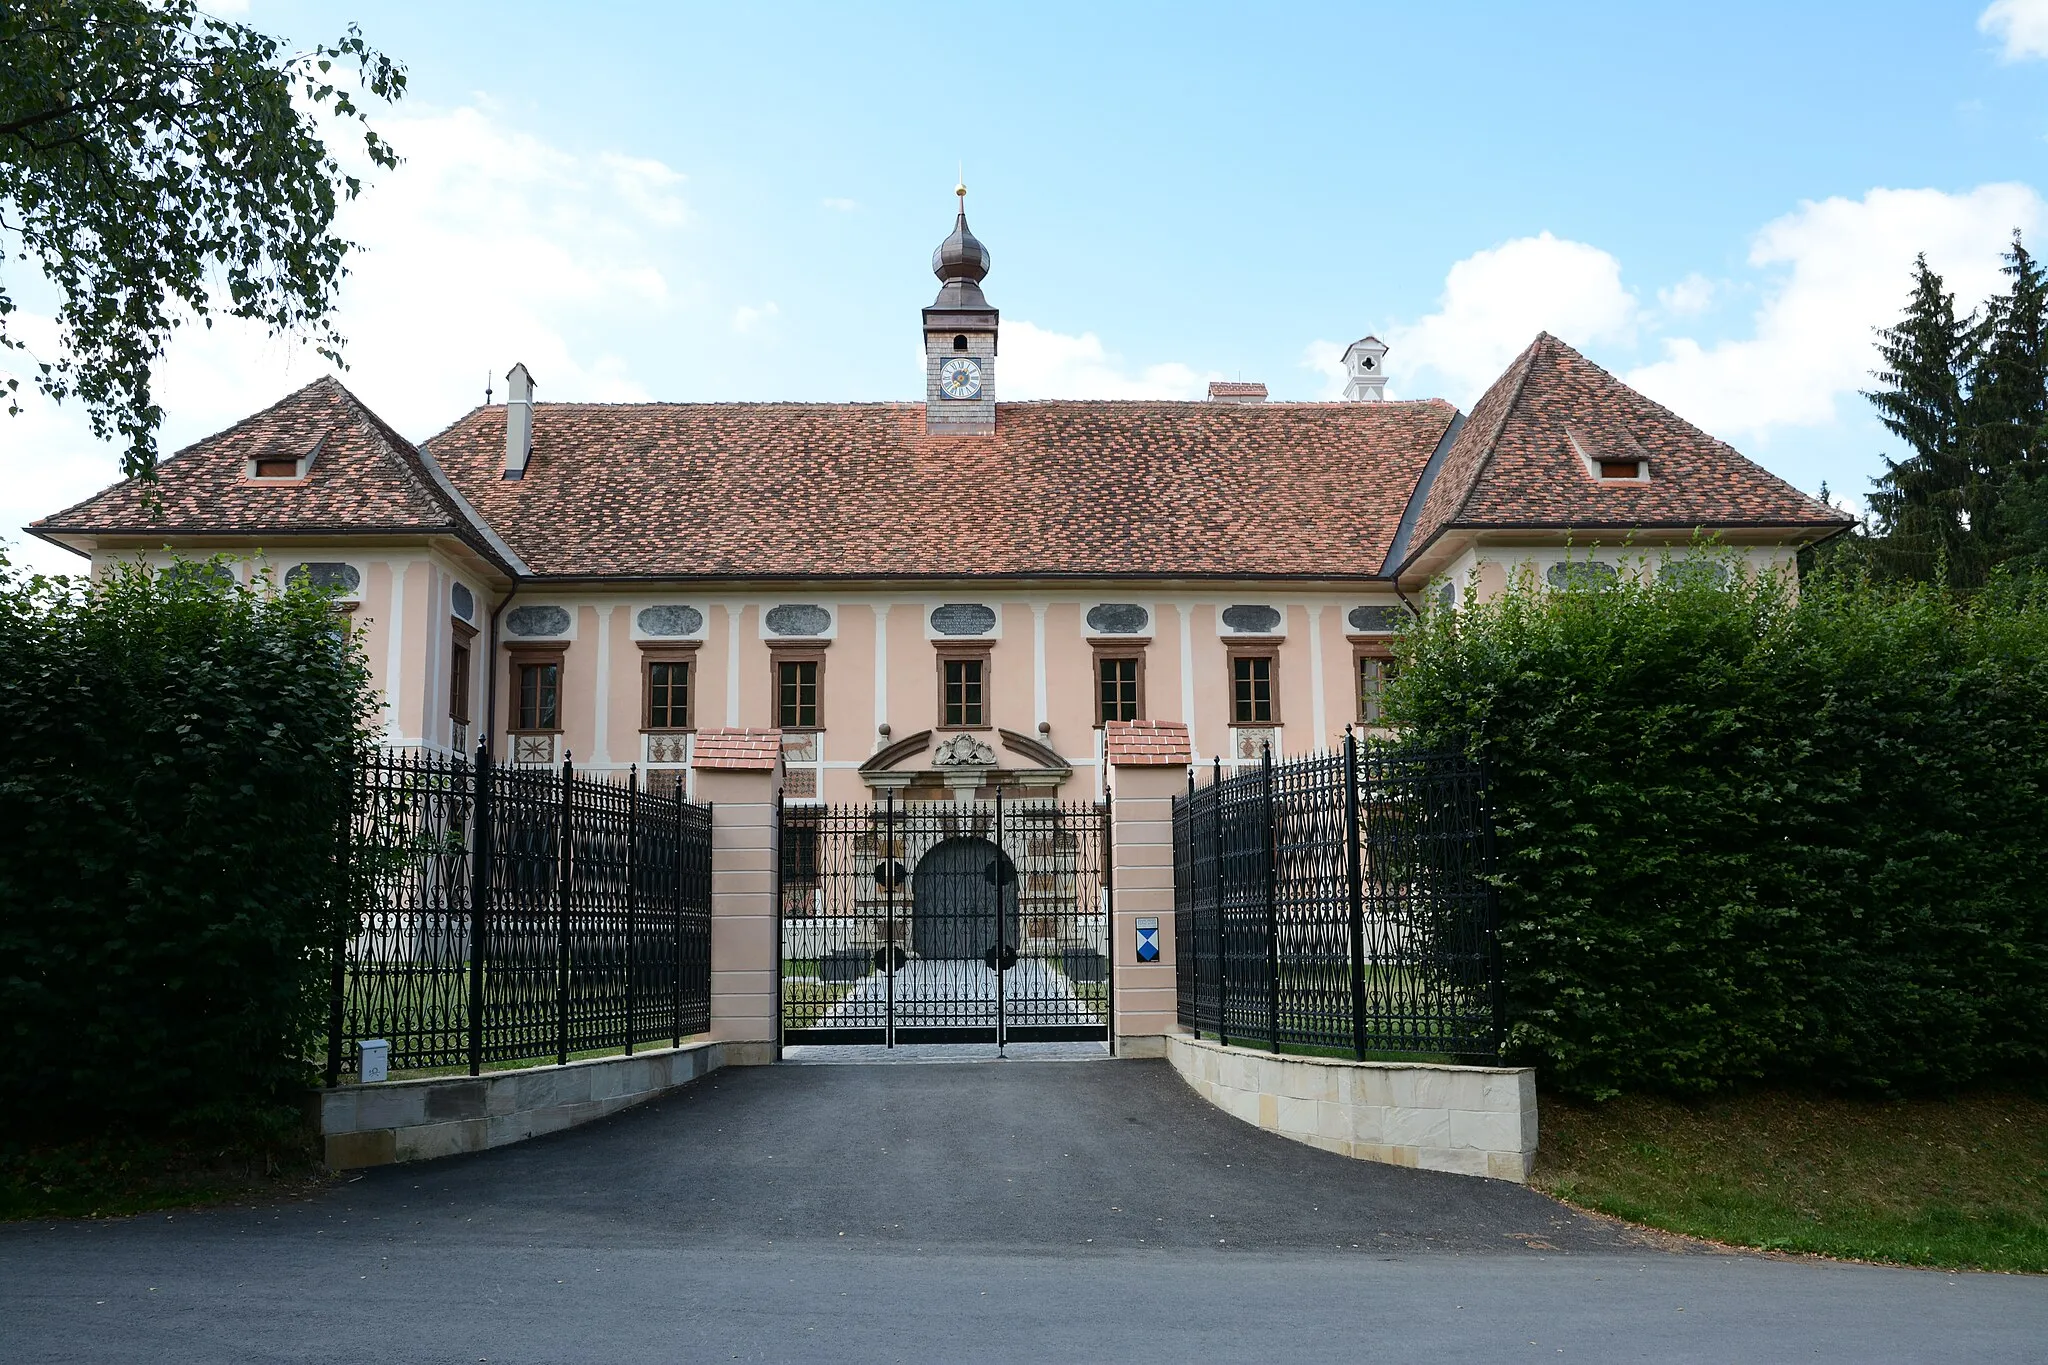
{"x": 960, "y": 377}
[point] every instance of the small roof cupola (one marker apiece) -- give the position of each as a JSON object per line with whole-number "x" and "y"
{"x": 960, "y": 337}
{"x": 1365, "y": 370}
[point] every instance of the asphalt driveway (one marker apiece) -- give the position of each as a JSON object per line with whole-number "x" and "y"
{"x": 1003, "y": 1211}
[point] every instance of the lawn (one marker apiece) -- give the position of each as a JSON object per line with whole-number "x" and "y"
{"x": 1957, "y": 1182}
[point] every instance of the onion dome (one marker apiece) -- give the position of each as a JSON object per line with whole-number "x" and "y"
{"x": 961, "y": 263}
{"x": 961, "y": 256}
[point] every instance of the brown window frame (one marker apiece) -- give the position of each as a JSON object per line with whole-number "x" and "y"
{"x": 521, "y": 657}
{"x": 1132, "y": 649}
{"x": 1360, "y": 656}
{"x": 777, "y": 658}
{"x": 1264, "y": 647}
{"x": 264, "y": 467}
{"x": 461, "y": 668}
{"x": 668, "y": 653}
{"x": 980, "y": 653}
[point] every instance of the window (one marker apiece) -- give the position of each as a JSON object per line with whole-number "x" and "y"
{"x": 1116, "y": 688}
{"x": 276, "y": 467}
{"x": 539, "y": 690}
{"x": 668, "y": 695}
{"x": 458, "y": 683}
{"x": 959, "y": 343}
{"x": 1374, "y": 673}
{"x": 1251, "y": 689}
{"x": 1620, "y": 469}
{"x": 963, "y": 688}
{"x": 796, "y": 694}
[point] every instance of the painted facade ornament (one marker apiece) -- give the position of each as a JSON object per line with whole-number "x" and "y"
{"x": 528, "y": 622}
{"x": 964, "y": 751}
{"x": 1251, "y": 620}
{"x": 670, "y": 621}
{"x": 798, "y": 618}
{"x": 1118, "y": 618}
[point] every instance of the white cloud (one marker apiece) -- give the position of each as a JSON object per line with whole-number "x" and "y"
{"x": 1690, "y": 296}
{"x": 2021, "y": 27}
{"x": 1037, "y": 363}
{"x": 487, "y": 246}
{"x": 1496, "y": 301}
{"x": 749, "y": 317}
{"x": 1326, "y": 358}
{"x": 840, "y": 205}
{"x": 1844, "y": 265}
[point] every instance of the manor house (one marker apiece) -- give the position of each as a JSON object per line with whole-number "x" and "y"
{"x": 942, "y": 597}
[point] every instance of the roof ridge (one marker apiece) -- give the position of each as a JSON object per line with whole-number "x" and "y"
{"x": 190, "y": 447}
{"x": 1527, "y": 361}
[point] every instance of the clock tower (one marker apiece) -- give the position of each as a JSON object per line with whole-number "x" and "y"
{"x": 960, "y": 338}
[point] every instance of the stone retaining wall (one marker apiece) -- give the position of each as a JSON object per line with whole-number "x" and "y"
{"x": 374, "y": 1125}
{"x": 1472, "y": 1120}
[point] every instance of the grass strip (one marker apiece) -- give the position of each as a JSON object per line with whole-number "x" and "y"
{"x": 1959, "y": 1182}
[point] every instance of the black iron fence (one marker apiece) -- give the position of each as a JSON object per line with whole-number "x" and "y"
{"x": 1340, "y": 902}
{"x": 518, "y": 913}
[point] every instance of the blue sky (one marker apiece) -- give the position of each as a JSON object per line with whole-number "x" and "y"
{"x": 739, "y": 202}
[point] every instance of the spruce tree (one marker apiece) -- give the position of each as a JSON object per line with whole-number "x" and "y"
{"x": 2007, "y": 411}
{"x": 1930, "y": 506}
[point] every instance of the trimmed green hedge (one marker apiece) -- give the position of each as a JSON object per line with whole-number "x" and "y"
{"x": 1752, "y": 832}
{"x": 174, "y": 760}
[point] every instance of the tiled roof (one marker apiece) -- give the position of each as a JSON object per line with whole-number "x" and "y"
{"x": 1514, "y": 463}
{"x": 1236, "y": 388}
{"x": 1147, "y": 744}
{"x": 737, "y": 750}
{"x": 364, "y": 477}
{"x": 860, "y": 490}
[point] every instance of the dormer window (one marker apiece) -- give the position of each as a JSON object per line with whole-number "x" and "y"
{"x": 1615, "y": 457}
{"x": 284, "y": 459}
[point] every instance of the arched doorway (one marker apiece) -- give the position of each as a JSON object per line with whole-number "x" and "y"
{"x": 953, "y": 900}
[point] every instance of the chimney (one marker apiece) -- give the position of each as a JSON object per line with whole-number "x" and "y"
{"x": 518, "y": 421}
{"x": 1235, "y": 391}
{"x": 1365, "y": 370}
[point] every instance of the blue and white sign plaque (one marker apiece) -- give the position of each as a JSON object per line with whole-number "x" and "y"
{"x": 1148, "y": 939}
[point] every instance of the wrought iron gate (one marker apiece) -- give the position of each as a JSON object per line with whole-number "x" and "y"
{"x": 944, "y": 922}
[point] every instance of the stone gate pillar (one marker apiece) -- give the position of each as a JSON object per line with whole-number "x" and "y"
{"x": 738, "y": 773}
{"x": 1148, "y": 767}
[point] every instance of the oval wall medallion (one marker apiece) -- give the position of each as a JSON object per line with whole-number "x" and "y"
{"x": 669, "y": 620}
{"x": 1375, "y": 620}
{"x": 1118, "y": 618}
{"x": 325, "y": 575}
{"x": 533, "y": 621}
{"x": 796, "y": 618}
{"x": 963, "y": 618}
{"x": 1579, "y": 573}
{"x": 1690, "y": 573}
{"x": 464, "y": 602}
{"x": 1251, "y": 620}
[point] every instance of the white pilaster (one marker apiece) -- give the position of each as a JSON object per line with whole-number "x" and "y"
{"x": 732, "y": 665}
{"x": 394, "y": 658}
{"x": 603, "y": 728}
{"x": 1315, "y": 675}
{"x": 1187, "y": 677}
{"x": 1038, "y": 706}
{"x": 881, "y": 670}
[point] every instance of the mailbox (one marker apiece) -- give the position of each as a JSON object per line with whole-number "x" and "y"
{"x": 376, "y": 1059}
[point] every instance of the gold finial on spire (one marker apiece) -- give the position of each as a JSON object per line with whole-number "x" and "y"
{"x": 961, "y": 188}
